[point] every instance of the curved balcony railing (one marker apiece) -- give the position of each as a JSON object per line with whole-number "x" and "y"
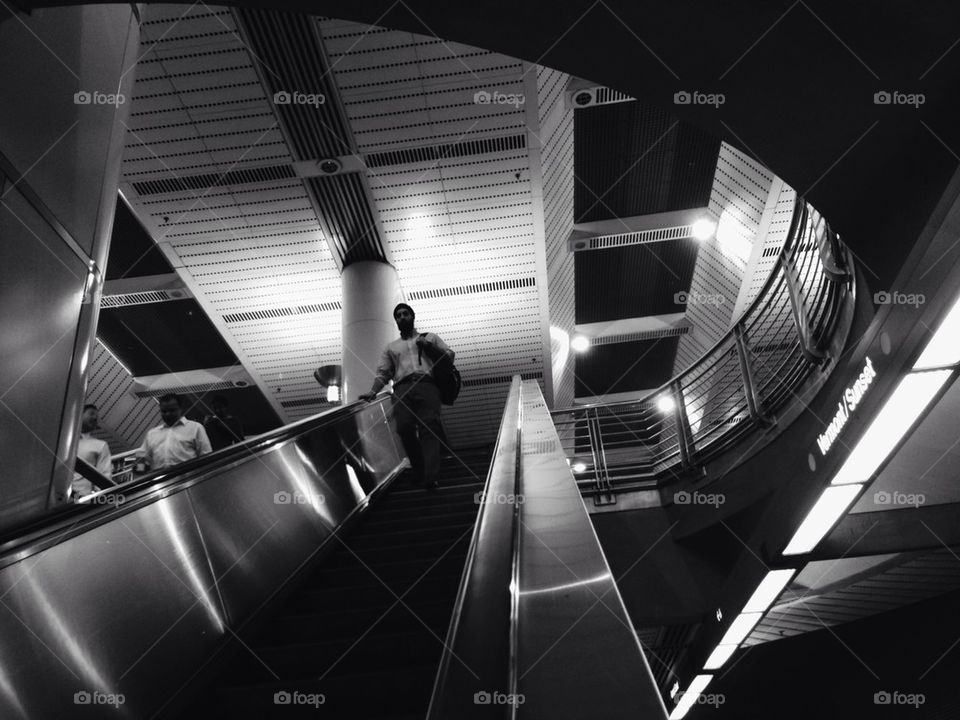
{"x": 736, "y": 386}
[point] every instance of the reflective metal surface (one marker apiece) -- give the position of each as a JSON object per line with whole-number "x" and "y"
{"x": 124, "y": 601}
{"x": 539, "y": 629}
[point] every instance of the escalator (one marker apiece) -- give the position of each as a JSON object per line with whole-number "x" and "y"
{"x": 362, "y": 635}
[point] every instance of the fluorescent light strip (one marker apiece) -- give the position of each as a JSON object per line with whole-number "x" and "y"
{"x": 740, "y": 628}
{"x": 943, "y": 348}
{"x": 690, "y": 696}
{"x": 833, "y": 503}
{"x": 768, "y": 590}
{"x": 719, "y": 656}
{"x": 903, "y": 407}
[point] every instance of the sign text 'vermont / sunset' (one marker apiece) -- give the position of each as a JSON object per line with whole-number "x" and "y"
{"x": 851, "y": 398}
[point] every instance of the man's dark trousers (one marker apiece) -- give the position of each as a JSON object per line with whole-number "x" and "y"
{"x": 416, "y": 407}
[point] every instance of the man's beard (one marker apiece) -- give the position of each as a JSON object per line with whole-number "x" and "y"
{"x": 405, "y": 327}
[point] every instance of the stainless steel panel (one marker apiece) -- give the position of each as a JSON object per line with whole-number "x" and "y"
{"x": 127, "y": 608}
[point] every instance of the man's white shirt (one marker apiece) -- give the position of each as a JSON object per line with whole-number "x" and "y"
{"x": 402, "y": 357}
{"x": 96, "y": 453}
{"x": 167, "y": 445}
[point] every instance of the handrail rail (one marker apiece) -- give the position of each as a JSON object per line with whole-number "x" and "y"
{"x": 771, "y": 348}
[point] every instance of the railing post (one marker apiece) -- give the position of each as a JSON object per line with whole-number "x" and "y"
{"x": 754, "y": 403}
{"x": 794, "y": 292}
{"x": 684, "y": 436}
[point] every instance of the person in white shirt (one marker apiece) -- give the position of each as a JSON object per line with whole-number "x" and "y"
{"x": 91, "y": 450}
{"x": 409, "y": 363}
{"x": 174, "y": 441}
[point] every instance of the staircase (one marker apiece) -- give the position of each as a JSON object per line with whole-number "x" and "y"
{"x": 362, "y": 637}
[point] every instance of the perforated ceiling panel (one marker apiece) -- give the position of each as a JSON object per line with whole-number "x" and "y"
{"x": 125, "y": 417}
{"x": 737, "y": 199}
{"x": 207, "y": 170}
{"x": 443, "y": 129}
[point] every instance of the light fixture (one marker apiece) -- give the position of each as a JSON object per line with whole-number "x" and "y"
{"x": 740, "y": 628}
{"x": 578, "y": 467}
{"x": 703, "y": 229}
{"x": 905, "y": 404}
{"x": 768, "y": 590}
{"x": 943, "y": 348}
{"x": 579, "y": 343}
{"x": 719, "y": 657}
{"x": 666, "y": 404}
{"x": 833, "y": 502}
{"x": 690, "y": 696}
{"x": 333, "y": 393}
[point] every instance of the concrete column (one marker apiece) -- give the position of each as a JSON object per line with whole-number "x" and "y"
{"x": 370, "y": 292}
{"x": 66, "y": 76}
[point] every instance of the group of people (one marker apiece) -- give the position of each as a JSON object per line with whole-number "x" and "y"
{"x": 408, "y": 362}
{"x": 175, "y": 440}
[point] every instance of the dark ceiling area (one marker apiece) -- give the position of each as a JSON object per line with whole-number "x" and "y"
{"x": 636, "y": 159}
{"x": 622, "y": 367}
{"x": 169, "y": 337}
{"x": 247, "y": 404}
{"x": 132, "y": 252}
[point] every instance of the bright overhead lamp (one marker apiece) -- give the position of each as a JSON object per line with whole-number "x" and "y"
{"x": 943, "y": 348}
{"x": 833, "y": 503}
{"x": 666, "y": 404}
{"x": 719, "y": 657}
{"x": 690, "y": 696}
{"x": 578, "y": 467}
{"x": 905, "y": 404}
{"x": 579, "y": 343}
{"x": 333, "y": 393}
{"x": 768, "y": 590}
{"x": 703, "y": 229}
{"x": 740, "y": 628}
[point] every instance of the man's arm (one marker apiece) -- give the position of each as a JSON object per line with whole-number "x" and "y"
{"x": 384, "y": 374}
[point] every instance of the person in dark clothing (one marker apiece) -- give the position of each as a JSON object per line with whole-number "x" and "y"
{"x": 409, "y": 362}
{"x": 222, "y": 428}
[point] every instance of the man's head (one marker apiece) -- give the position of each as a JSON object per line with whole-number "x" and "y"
{"x": 404, "y": 316}
{"x": 88, "y": 421}
{"x": 170, "y": 409}
{"x": 219, "y": 404}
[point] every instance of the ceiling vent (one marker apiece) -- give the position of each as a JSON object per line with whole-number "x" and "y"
{"x": 193, "y": 382}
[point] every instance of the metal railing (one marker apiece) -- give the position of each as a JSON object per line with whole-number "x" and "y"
{"x": 734, "y": 387}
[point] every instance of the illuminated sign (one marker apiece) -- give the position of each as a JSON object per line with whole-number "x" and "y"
{"x": 851, "y": 398}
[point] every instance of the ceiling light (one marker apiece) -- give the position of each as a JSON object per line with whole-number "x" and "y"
{"x": 905, "y": 404}
{"x": 719, "y": 656}
{"x": 740, "y": 628}
{"x": 579, "y": 343}
{"x": 333, "y": 393}
{"x": 690, "y": 696}
{"x": 578, "y": 467}
{"x": 703, "y": 229}
{"x": 833, "y": 503}
{"x": 768, "y": 590}
{"x": 943, "y": 348}
{"x": 665, "y": 403}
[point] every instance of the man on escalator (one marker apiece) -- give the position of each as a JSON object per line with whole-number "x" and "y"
{"x": 409, "y": 362}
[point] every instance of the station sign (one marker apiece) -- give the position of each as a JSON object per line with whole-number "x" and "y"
{"x": 852, "y": 397}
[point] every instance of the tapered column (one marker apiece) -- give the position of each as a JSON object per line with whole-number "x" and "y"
{"x": 370, "y": 292}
